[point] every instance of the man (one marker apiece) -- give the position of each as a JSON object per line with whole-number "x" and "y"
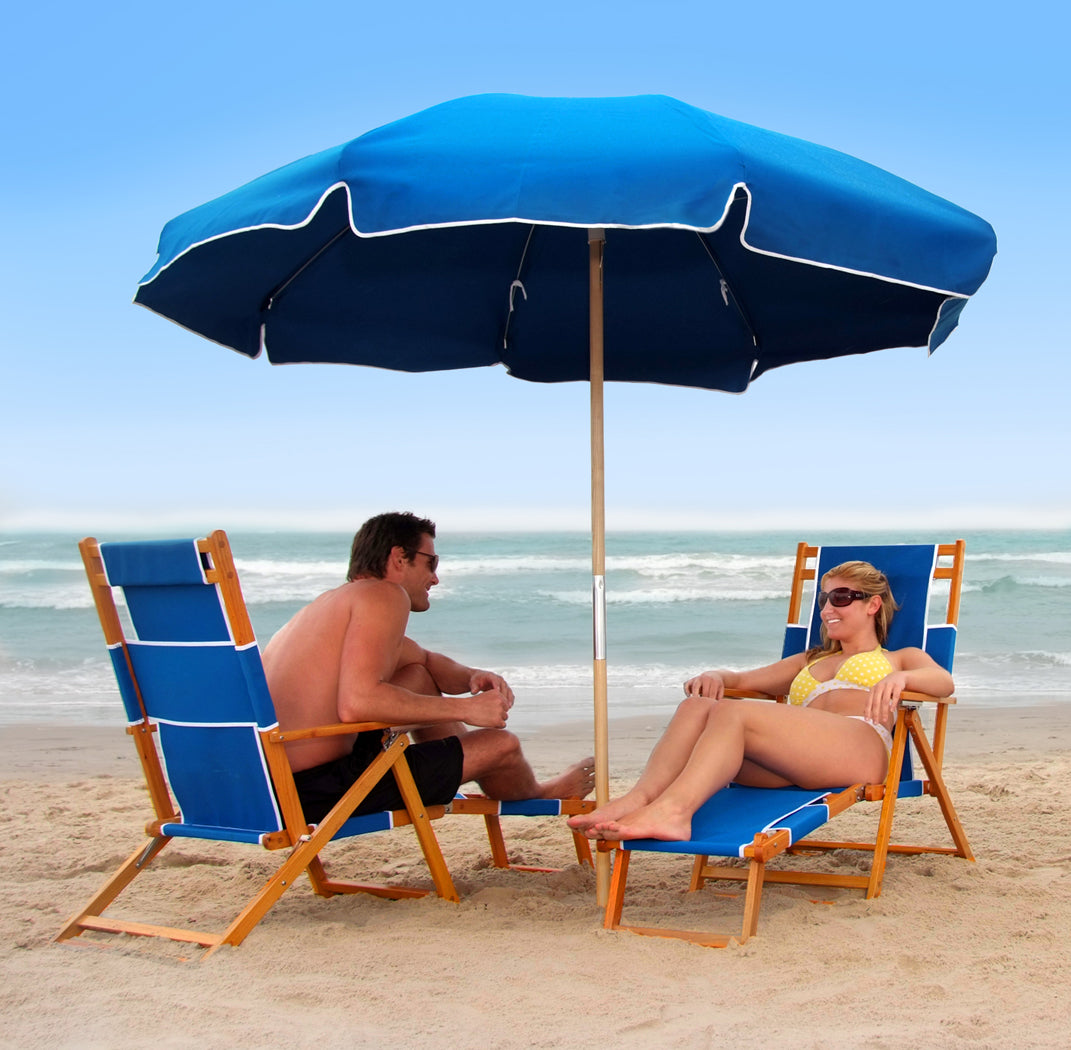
{"x": 345, "y": 657}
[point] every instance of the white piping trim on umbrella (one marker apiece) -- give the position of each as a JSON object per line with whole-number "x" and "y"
{"x": 937, "y": 320}
{"x": 193, "y": 331}
{"x": 576, "y": 225}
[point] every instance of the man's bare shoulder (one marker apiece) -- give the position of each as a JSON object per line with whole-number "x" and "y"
{"x": 360, "y": 599}
{"x": 369, "y": 593}
{"x": 333, "y": 613}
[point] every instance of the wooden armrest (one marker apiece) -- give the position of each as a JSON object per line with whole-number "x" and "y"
{"x": 916, "y": 698}
{"x": 338, "y": 729}
{"x": 749, "y": 694}
{"x": 907, "y": 695}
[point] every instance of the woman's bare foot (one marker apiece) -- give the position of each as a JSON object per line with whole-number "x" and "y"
{"x": 656, "y": 821}
{"x": 614, "y": 809}
{"x": 577, "y": 781}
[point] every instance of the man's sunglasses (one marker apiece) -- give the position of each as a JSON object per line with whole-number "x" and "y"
{"x": 840, "y": 597}
{"x": 433, "y": 561}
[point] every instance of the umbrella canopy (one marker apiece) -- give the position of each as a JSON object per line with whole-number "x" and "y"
{"x": 731, "y": 250}
{"x": 573, "y": 239}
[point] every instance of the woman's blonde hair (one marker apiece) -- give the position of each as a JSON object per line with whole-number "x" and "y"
{"x": 871, "y": 581}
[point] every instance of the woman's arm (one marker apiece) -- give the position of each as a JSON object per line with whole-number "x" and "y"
{"x": 913, "y": 669}
{"x": 924, "y": 674}
{"x": 773, "y": 678}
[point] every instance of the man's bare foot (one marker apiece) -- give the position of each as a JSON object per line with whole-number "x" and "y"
{"x": 613, "y": 810}
{"x": 656, "y": 821}
{"x": 578, "y": 781}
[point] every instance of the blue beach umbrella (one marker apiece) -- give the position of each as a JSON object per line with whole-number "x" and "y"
{"x": 636, "y": 239}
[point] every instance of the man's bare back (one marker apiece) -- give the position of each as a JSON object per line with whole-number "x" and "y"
{"x": 303, "y": 664}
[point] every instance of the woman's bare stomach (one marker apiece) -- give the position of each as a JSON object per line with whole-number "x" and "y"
{"x": 844, "y": 702}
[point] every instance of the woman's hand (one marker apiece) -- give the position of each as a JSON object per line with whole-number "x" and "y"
{"x": 884, "y": 697}
{"x": 709, "y": 684}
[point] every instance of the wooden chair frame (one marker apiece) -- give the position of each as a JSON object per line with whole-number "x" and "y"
{"x": 492, "y": 811}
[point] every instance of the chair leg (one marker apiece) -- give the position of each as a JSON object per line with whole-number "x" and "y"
{"x": 276, "y": 886}
{"x": 908, "y": 724}
{"x": 753, "y": 898}
{"x": 429, "y": 844}
{"x": 500, "y": 855}
{"x": 133, "y": 866}
{"x": 324, "y": 886}
{"x": 307, "y": 851}
{"x": 488, "y": 809}
{"x": 304, "y": 857}
{"x": 931, "y": 764}
{"x": 698, "y": 880}
{"x": 583, "y": 850}
{"x": 888, "y": 806}
{"x": 616, "y": 901}
{"x": 940, "y": 791}
{"x": 496, "y": 840}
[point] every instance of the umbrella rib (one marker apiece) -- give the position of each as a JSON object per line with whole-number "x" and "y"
{"x": 517, "y": 283}
{"x": 281, "y": 287}
{"x": 727, "y": 290}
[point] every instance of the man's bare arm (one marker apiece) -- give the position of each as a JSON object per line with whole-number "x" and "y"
{"x": 454, "y": 678}
{"x": 372, "y": 649}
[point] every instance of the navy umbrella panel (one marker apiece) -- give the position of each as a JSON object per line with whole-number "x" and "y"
{"x": 635, "y": 239}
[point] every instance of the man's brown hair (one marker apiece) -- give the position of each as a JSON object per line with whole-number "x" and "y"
{"x": 379, "y": 535}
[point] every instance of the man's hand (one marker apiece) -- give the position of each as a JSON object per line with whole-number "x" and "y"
{"x": 487, "y": 681}
{"x": 488, "y": 709}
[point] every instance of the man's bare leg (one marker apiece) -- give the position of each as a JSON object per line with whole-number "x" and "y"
{"x": 493, "y": 757}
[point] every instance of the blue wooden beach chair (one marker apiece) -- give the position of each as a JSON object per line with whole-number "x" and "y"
{"x": 214, "y": 760}
{"x": 756, "y": 825}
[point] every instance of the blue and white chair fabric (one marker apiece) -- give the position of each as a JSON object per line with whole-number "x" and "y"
{"x": 206, "y": 694}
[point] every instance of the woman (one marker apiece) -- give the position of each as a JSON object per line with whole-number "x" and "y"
{"x": 836, "y": 728}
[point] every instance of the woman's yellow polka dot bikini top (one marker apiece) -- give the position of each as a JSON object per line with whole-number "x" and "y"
{"x": 859, "y": 671}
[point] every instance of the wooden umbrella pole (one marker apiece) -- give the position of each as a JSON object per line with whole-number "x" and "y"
{"x": 596, "y": 245}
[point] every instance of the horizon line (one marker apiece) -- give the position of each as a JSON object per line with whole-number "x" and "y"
{"x": 543, "y": 519}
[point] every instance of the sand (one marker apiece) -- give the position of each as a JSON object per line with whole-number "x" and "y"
{"x": 953, "y": 954}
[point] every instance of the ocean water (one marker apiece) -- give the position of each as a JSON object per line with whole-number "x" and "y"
{"x": 520, "y": 604}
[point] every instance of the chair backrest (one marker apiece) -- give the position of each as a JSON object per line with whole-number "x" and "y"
{"x": 912, "y": 570}
{"x": 191, "y": 667}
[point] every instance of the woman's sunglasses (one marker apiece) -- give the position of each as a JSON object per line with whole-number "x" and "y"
{"x": 840, "y": 597}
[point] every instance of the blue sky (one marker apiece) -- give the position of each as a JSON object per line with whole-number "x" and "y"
{"x": 118, "y": 116}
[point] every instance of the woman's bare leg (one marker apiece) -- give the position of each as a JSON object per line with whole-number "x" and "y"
{"x": 762, "y": 743}
{"x": 668, "y": 759}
